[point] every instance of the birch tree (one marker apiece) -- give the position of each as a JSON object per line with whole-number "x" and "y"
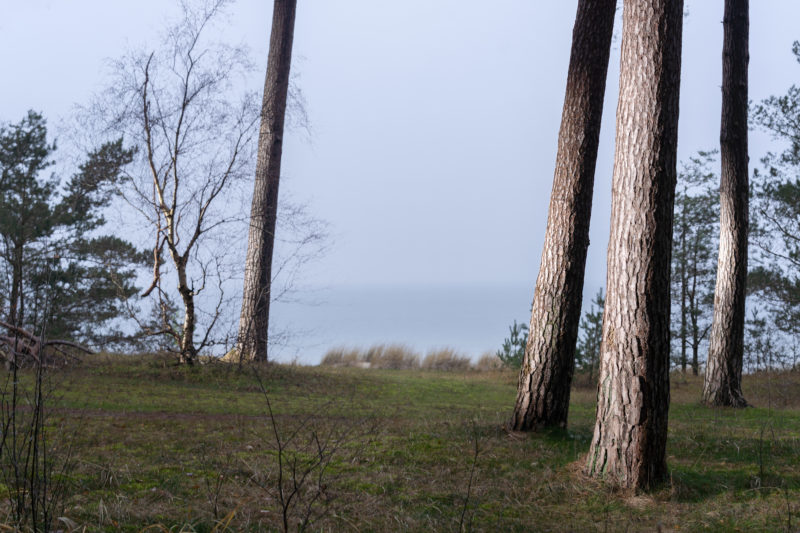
{"x": 195, "y": 135}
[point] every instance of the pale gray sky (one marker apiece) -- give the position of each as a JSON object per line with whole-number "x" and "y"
{"x": 434, "y": 121}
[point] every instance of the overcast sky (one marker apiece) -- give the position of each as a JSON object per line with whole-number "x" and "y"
{"x": 434, "y": 121}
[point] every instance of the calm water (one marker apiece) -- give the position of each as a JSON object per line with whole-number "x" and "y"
{"x": 472, "y": 319}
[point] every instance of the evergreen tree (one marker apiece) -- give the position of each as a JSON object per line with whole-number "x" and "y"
{"x": 257, "y": 291}
{"x": 513, "y": 351}
{"x": 696, "y": 217}
{"x": 59, "y": 271}
{"x": 628, "y": 447}
{"x": 587, "y": 353}
{"x": 775, "y": 228}
{"x": 723, "y": 378}
{"x": 546, "y": 376}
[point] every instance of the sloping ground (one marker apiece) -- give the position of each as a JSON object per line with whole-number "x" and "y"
{"x": 151, "y": 444}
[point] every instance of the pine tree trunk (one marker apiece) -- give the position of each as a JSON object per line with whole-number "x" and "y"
{"x": 683, "y": 303}
{"x": 629, "y": 443}
{"x": 723, "y": 379}
{"x": 546, "y": 376}
{"x": 15, "y": 303}
{"x": 254, "y": 319}
{"x": 693, "y": 311}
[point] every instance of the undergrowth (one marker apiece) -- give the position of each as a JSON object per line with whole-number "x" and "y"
{"x": 195, "y": 449}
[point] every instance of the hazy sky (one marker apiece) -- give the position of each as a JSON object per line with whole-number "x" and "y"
{"x": 434, "y": 121}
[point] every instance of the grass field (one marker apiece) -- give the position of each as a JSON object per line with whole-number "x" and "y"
{"x": 156, "y": 446}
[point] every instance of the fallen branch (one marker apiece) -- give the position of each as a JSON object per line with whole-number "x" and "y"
{"x": 25, "y": 344}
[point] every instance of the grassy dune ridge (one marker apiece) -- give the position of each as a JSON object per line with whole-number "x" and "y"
{"x": 193, "y": 449}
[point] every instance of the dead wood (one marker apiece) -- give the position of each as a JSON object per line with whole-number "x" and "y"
{"x": 22, "y": 347}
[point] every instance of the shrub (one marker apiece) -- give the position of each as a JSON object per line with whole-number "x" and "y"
{"x": 513, "y": 351}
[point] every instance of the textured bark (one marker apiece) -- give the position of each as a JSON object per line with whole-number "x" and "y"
{"x": 546, "y": 376}
{"x": 254, "y": 319}
{"x": 723, "y": 379}
{"x": 630, "y": 434}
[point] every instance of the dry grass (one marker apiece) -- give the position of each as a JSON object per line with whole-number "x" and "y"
{"x": 388, "y": 357}
{"x": 401, "y": 357}
{"x": 489, "y": 362}
{"x": 342, "y": 357}
{"x": 447, "y": 360}
{"x": 392, "y": 357}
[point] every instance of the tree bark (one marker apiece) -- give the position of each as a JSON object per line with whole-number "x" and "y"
{"x": 15, "y": 314}
{"x": 723, "y": 379}
{"x": 188, "y": 353}
{"x": 629, "y": 443}
{"x": 254, "y": 319}
{"x": 546, "y": 375}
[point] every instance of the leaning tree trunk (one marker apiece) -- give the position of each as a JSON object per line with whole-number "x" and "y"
{"x": 723, "y": 380}
{"x": 254, "y": 319}
{"x": 629, "y": 443}
{"x": 546, "y": 376}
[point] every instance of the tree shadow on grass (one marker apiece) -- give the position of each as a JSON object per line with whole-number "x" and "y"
{"x": 565, "y": 444}
{"x": 697, "y": 484}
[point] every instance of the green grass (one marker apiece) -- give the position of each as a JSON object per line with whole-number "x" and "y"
{"x": 151, "y": 442}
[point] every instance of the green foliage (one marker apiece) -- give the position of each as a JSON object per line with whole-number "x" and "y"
{"x": 587, "y": 351}
{"x": 58, "y": 269}
{"x": 776, "y": 235}
{"x": 25, "y": 211}
{"x": 513, "y": 352}
{"x": 761, "y": 341}
{"x": 694, "y": 256}
{"x": 775, "y": 212}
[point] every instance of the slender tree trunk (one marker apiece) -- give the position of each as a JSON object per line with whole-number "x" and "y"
{"x": 546, "y": 376}
{"x": 15, "y": 307}
{"x": 15, "y": 304}
{"x": 695, "y": 355}
{"x": 693, "y": 313}
{"x": 683, "y": 303}
{"x": 254, "y": 319}
{"x": 723, "y": 379}
{"x": 188, "y": 353}
{"x": 629, "y": 443}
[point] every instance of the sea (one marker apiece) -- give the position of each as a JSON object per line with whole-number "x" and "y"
{"x": 472, "y": 319}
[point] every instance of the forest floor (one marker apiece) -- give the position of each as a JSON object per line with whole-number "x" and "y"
{"x": 151, "y": 445}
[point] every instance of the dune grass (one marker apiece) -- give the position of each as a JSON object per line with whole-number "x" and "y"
{"x": 155, "y": 445}
{"x": 401, "y": 357}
